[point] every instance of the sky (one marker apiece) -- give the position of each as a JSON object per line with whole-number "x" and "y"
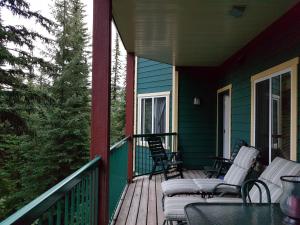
{"x": 45, "y": 7}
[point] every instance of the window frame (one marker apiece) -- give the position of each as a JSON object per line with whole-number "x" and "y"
{"x": 288, "y": 66}
{"x": 153, "y": 96}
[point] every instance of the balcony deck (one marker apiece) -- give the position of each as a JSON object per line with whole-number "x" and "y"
{"x": 141, "y": 204}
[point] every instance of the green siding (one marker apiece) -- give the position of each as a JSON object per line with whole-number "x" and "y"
{"x": 196, "y": 124}
{"x": 264, "y": 56}
{"x": 153, "y": 76}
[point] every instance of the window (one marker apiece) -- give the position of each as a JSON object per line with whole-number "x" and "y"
{"x": 274, "y": 111}
{"x": 273, "y": 116}
{"x": 153, "y": 113}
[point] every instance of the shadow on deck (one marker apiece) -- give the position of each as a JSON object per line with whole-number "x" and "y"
{"x": 141, "y": 204}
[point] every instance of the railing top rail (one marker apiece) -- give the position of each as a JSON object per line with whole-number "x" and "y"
{"x": 119, "y": 143}
{"x": 151, "y": 135}
{"x": 35, "y": 208}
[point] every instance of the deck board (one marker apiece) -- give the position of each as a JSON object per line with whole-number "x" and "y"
{"x": 123, "y": 213}
{"x": 135, "y": 204}
{"x": 159, "y": 210}
{"x": 143, "y": 209}
{"x": 151, "y": 219}
{"x": 142, "y": 200}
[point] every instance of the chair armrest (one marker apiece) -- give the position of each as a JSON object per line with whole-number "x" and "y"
{"x": 174, "y": 155}
{"x": 157, "y": 155}
{"x": 218, "y": 158}
{"x": 224, "y": 192}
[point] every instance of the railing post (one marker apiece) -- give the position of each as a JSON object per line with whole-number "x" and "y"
{"x": 130, "y": 111}
{"x": 101, "y": 100}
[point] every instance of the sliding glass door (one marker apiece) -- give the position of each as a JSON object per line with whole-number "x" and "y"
{"x": 273, "y": 116}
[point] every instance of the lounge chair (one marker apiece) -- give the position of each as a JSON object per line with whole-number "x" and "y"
{"x": 221, "y": 165}
{"x": 174, "y": 206}
{"x": 234, "y": 177}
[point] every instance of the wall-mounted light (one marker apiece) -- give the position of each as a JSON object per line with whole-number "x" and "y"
{"x": 196, "y": 101}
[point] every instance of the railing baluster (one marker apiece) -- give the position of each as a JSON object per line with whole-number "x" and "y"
{"x": 50, "y": 216}
{"x": 77, "y": 207}
{"x": 83, "y": 201}
{"x": 72, "y": 207}
{"x": 96, "y": 192}
{"x": 58, "y": 213}
{"x": 93, "y": 198}
{"x": 87, "y": 200}
{"x": 66, "y": 209}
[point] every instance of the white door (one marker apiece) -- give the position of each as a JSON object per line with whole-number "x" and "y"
{"x": 226, "y": 115}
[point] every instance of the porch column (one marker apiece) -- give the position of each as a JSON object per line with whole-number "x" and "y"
{"x": 130, "y": 110}
{"x": 101, "y": 100}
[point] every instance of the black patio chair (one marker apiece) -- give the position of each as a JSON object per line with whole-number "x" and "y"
{"x": 260, "y": 185}
{"x": 221, "y": 165}
{"x": 168, "y": 162}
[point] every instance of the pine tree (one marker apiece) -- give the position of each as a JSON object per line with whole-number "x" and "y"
{"x": 17, "y": 62}
{"x": 117, "y": 93}
{"x": 69, "y": 129}
{"x": 18, "y": 97}
{"x": 116, "y": 68}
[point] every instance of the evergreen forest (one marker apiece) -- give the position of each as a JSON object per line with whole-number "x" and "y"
{"x": 45, "y": 98}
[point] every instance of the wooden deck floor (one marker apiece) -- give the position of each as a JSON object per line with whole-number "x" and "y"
{"x": 141, "y": 204}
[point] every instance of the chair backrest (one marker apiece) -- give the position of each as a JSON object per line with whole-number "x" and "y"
{"x": 239, "y": 143}
{"x": 241, "y": 165}
{"x": 271, "y": 177}
{"x": 156, "y": 148}
{"x": 262, "y": 189}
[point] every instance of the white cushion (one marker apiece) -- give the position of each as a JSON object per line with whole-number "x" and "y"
{"x": 241, "y": 165}
{"x": 176, "y": 186}
{"x": 278, "y": 168}
{"x": 207, "y": 185}
{"x": 271, "y": 176}
{"x": 245, "y": 157}
{"x": 275, "y": 192}
{"x": 236, "y": 175}
{"x": 174, "y": 206}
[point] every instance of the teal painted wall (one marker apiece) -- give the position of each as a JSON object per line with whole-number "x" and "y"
{"x": 196, "y": 124}
{"x": 197, "y": 133}
{"x": 153, "y": 76}
{"x": 269, "y": 52}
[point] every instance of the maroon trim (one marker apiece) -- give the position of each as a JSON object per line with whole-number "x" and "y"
{"x": 280, "y": 25}
{"x": 130, "y": 110}
{"x": 101, "y": 100}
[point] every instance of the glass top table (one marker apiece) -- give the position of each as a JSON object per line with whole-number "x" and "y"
{"x": 234, "y": 214}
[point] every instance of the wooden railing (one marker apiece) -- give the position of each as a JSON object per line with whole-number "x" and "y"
{"x": 74, "y": 200}
{"x": 142, "y": 158}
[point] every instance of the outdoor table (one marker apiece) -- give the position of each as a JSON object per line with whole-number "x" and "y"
{"x": 233, "y": 214}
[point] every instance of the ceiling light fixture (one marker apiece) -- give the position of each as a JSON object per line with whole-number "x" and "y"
{"x": 237, "y": 11}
